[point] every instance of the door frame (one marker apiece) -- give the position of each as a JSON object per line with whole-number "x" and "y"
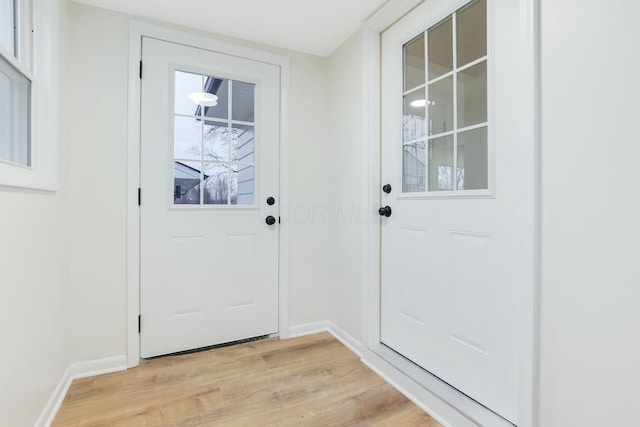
{"x": 137, "y": 30}
{"x": 528, "y": 322}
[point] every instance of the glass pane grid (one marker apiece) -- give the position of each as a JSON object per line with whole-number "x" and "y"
{"x": 456, "y": 103}
{"x": 213, "y": 140}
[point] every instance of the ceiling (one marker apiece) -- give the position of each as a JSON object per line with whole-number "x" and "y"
{"x": 312, "y": 26}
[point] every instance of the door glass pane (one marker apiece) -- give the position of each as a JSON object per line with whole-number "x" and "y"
{"x": 413, "y": 167}
{"x": 441, "y": 164}
{"x": 441, "y": 106}
{"x": 472, "y": 95}
{"x": 413, "y": 120}
{"x": 211, "y": 138}
{"x": 455, "y": 98}
{"x": 216, "y": 184}
{"x": 243, "y": 100}
{"x": 472, "y": 160}
{"x": 414, "y": 63}
{"x": 186, "y": 183}
{"x": 245, "y": 179}
{"x": 472, "y": 32}
{"x": 441, "y": 49}
{"x": 219, "y": 88}
{"x": 186, "y": 84}
{"x": 186, "y": 138}
{"x": 216, "y": 142}
{"x": 242, "y": 144}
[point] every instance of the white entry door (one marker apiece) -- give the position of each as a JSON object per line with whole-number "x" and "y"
{"x": 453, "y": 245}
{"x": 209, "y": 198}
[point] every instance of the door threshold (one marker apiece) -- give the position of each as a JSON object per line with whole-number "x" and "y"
{"x": 213, "y": 347}
{"x": 475, "y": 412}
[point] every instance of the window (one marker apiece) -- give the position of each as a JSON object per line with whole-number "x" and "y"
{"x": 15, "y": 90}
{"x": 445, "y": 107}
{"x": 8, "y": 25}
{"x": 214, "y": 141}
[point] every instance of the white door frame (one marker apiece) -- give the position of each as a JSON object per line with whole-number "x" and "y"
{"x": 528, "y": 321}
{"x": 137, "y": 30}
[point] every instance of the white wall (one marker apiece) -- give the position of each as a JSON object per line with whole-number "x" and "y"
{"x": 346, "y": 212}
{"x": 34, "y": 351}
{"x": 97, "y": 126}
{"x": 590, "y": 316}
{"x": 97, "y": 129}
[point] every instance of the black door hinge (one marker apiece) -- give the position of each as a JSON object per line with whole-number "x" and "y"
{"x": 139, "y": 324}
{"x": 279, "y": 220}
{"x": 140, "y": 69}
{"x": 139, "y": 196}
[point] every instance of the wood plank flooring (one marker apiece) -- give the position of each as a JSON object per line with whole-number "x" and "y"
{"x": 307, "y": 381}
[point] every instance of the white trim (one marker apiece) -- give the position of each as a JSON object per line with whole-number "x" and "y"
{"x": 529, "y": 324}
{"x": 73, "y": 372}
{"x": 136, "y": 31}
{"x": 327, "y": 326}
{"x": 308, "y": 329}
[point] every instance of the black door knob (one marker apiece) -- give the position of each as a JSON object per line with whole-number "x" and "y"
{"x": 270, "y": 220}
{"x": 386, "y": 188}
{"x": 270, "y": 201}
{"x": 386, "y": 211}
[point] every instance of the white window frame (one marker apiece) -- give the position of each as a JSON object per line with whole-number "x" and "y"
{"x": 37, "y": 58}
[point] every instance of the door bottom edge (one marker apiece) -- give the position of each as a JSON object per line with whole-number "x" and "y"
{"x": 213, "y": 346}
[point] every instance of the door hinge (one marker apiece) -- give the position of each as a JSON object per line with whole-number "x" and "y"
{"x": 140, "y": 69}
{"x": 279, "y": 220}
{"x": 139, "y": 324}
{"x": 139, "y": 196}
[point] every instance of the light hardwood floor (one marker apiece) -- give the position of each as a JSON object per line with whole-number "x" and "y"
{"x": 307, "y": 381}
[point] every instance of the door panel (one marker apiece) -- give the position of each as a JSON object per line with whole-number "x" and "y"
{"x": 209, "y": 160}
{"x": 451, "y": 252}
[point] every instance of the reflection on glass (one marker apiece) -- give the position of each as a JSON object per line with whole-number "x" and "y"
{"x": 441, "y": 49}
{"x": 220, "y": 88}
{"x": 441, "y": 106}
{"x": 186, "y": 183}
{"x": 472, "y": 95}
{"x": 242, "y": 185}
{"x": 216, "y": 142}
{"x": 472, "y": 160}
{"x": 186, "y": 84}
{"x": 413, "y": 118}
{"x": 216, "y": 184}
{"x": 242, "y": 144}
{"x": 186, "y": 138}
{"x": 472, "y": 32}
{"x": 413, "y": 167}
{"x": 441, "y": 164}
{"x": 414, "y": 63}
{"x": 243, "y": 101}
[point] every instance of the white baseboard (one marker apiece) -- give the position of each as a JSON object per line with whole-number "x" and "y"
{"x": 327, "y": 326}
{"x": 73, "y": 372}
{"x": 308, "y": 329}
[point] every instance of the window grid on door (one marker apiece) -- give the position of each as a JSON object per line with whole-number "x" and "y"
{"x": 214, "y": 140}
{"x": 445, "y": 105}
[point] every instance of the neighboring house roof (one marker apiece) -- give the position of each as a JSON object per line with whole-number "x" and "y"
{"x": 186, "y": 176}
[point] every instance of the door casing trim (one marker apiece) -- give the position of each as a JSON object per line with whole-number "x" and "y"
{"x": 137, "y": 30}
{"x": 528, "y": 323}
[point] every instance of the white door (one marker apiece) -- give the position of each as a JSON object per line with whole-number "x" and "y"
{"x": 209, "y": 183}
{"x": 452, "y": 247}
